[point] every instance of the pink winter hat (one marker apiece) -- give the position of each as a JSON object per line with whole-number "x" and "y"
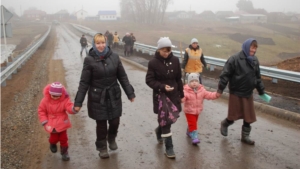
{"x": 56, "y": 89}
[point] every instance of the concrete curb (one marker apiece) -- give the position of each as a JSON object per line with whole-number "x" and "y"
{"x": 260, "y": 107}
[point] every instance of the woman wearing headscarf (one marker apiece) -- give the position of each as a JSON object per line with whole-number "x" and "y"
{"x": 101, "y": 77}
{"x": 164, "y": 76}
{"x": 242, "y": 72}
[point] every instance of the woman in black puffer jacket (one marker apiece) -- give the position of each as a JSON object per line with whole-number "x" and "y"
{"x": 102, "y": 69}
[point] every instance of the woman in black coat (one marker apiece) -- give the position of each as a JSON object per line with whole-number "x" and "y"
{"x": 102, "y": 69}
{"x": 164, "y": 75}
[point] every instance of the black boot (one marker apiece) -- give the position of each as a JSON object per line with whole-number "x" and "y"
{"x": 169, "y": 147}
{"x": 246, "y": 135}
{"x": 158, "y": 135}
{"x": 53, "y": 148}
{"x": 102, "y": 148}
{"x": 64, "y": 153}
{"x": 111, "y": 139}
{"x": 224, "y": 127}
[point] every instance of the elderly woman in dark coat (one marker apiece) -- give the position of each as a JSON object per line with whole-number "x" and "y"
{"x": 164, "y": 75}
{"x": 242, "y": 72}
{"x": 102, "y": 69}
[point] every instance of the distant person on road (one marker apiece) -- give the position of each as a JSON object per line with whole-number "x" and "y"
{"x": 194, "y": 61}
{"x": 164, "y": 76}
{"x": 194, "y": 95}
{"x": 110, "y": 38}
{"x": 101, "y": 77}
{"x": 127, "y": 39}
{"x": 242, "y": 72}
{"x": 84, "y": 45}
{"x": 52, "y": 113}
{"x": 116, "y": 40}
{"x": 132, "y": 43}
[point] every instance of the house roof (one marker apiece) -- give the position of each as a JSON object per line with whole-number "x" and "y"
{"x": 107, "y": 13}
{"x": 27, "y": 12}
{"x": 175, "y": 14}
{"x": 249, "y": 15}
{"x": 224, "y": 13}
{"x": 257, "y": 11}
{"x": 207, "y": 13}
{"x": 240, "y": 12}
{"x": 62, "y": 12}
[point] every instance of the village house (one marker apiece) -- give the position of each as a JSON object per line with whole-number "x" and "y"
{"x": 107, "y": 15}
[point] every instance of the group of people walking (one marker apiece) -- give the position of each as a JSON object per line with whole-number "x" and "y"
{"x": 112, "y": 40}
{"x": 103, "y": 74}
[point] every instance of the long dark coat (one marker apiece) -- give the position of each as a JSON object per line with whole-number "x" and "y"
{"x": 100, "y": 78}
{"x": 162, "y": 72}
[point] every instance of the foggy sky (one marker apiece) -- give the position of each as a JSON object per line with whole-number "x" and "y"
{"x": 93, "y": 6}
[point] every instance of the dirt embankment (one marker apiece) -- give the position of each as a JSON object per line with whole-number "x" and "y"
{"x": 290, "y": 64}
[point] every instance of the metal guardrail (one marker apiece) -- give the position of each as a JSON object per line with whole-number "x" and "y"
{"x": 274, "y": 73}
{"x": 20, "y": 60}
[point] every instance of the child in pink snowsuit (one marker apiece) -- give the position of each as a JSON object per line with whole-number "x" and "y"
{"x": 53, "y": 116}
{"x": 194, "y": 94}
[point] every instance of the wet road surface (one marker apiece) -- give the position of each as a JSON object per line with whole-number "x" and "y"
{"x": 277, "y": 141}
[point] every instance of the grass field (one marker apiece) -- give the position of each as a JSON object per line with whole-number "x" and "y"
{"x": 210, "y": 35}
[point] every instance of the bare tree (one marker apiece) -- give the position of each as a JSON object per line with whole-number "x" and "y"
{"x": 144, "y": 11}
{"x": 245, "y": 5}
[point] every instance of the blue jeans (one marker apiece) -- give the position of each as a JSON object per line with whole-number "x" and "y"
{"x": 84, "y": 47}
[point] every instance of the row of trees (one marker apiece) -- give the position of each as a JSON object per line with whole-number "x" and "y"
{"x": 144, "y": 11}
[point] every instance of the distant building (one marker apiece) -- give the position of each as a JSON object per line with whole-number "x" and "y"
{"x": 258, "y": 11}
{"x": 81, "y": 14}
{"x": 62, "y": 14}
{"x": 207, "y": 15}
{"x": 34, "y": 14}
{"x": 107, "y": 15}
{"x": 240, "y": 12}
{"x": 253, "y": 18}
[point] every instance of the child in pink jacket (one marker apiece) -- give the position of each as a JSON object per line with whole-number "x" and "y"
{"x": 194, "y": 94}
{"x": 53, "y": 116}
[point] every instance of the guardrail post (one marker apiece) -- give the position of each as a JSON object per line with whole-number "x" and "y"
{"x": 211, "y": 68}
{"x": 143, "y": 51}
{"x": 9, "y": 63}
{"x": 274, "y": 80}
